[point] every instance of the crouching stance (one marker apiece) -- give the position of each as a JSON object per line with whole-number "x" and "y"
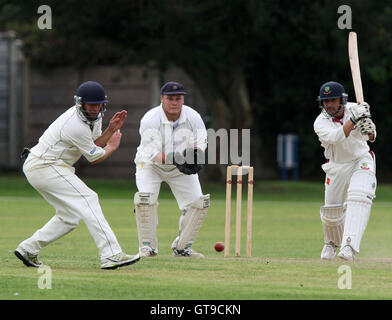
{"x": 49, "y": 169}
{"x": 343, "y": 129}
{"x": 190, "y": 223}
{"x": 173, "y": 140}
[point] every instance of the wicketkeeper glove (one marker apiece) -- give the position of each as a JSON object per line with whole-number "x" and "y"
{"x": 194, "y": 161}
{"x": 188, "y": 169}
{"x": 25, "y": 153}
{"x": 360, "y": 111}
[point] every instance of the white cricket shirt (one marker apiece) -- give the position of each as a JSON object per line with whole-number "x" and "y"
{"x": 338, "y": 147}
{"x": 68, "y": 138}
{"x": 158, "y": 134}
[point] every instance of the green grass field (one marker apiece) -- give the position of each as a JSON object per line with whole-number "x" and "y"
{"x": 287, "y": 240}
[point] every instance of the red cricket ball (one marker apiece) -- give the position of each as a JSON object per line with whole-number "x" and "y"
{"x": 219, "y": 246}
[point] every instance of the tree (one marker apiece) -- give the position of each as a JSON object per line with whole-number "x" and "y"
{"x": 258, "y": 63}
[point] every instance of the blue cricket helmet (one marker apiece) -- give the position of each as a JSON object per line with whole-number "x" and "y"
{"x": 90, "y": 92}
{"x": 332, "y": 90}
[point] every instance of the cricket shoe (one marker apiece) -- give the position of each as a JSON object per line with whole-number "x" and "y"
{"x": 29, "y": 259}
{"x": 346, "y": 253}
{"x": 328, "y": 252}
{"x": 147, "y": 251}
{"x": 187, "y": 252}
{"x": 119, "y": 260}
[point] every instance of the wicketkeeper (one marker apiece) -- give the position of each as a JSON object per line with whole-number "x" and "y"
{"x": 173, "y": 141}
{"x": 344, "y": 129}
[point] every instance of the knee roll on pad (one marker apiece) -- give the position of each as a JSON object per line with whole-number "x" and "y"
{"x": 332, "y": 215}
{"x": 202, "y": 203}
{"x": 362, "y": 187}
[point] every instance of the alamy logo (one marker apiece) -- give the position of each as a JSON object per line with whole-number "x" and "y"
{"x": 224, "y": 146}
{"x": 45, "y": 281}
{"x": 345, "y": 280}
{"x": 44, "y": 21}
{"x": 345, "y": 20}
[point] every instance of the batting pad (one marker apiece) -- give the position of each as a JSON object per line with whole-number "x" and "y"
{"x": 357, "y": 218}
{"x": 359, "y": 202}
{"x": 192, "y": 221}
{"x": 146, "y": 219}
{"x": 363, "y": 184}
{"x": 332, "y": 218}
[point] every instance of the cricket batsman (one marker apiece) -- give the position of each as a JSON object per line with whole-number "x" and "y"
{"x": 173, "y": 141}
{"x": 344, "y": 129}
{"x": 49, "y": 169}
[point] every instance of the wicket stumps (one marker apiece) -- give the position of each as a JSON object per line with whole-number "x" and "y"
{"x": 239, "y": 173}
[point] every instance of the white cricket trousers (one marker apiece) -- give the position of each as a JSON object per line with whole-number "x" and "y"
{"x": 186, "y": 188}
{"x": 338, "y": 177}
{"x": 73, "y": 202}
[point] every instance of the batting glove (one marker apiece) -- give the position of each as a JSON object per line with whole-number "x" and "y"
{"x": 367, "y": 126}
{"x": 360, "y": 111}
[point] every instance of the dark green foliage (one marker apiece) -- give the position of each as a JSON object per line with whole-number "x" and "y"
{"x": 258, "y": 64}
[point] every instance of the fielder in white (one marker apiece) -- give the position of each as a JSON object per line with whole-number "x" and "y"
{"x": 344, "y": 130}
{"x": 173, "y": 141}
{"x": 49, "y": 169}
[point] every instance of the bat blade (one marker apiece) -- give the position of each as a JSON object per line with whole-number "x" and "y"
{"x": 354, "y": 64}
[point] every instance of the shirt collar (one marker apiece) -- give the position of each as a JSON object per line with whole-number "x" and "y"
{"x": 335, "y": 119}
{"x": 340, "y": 120}
{"x": 181, "y": 119}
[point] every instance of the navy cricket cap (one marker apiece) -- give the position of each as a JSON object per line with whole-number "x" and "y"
{"x": 171, "y": 88}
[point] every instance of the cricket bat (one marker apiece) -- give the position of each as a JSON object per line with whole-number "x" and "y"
{"x": 354, "y": 64}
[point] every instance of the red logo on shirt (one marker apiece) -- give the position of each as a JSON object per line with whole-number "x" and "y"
{"x": 328, "y": 180}
{"x": 365, "y": 166}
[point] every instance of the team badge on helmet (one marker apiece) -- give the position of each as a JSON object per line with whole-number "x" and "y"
{"x": 332, "y": 90}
